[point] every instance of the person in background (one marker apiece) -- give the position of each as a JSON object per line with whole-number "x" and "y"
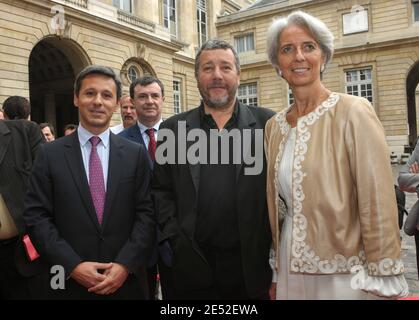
{"x": 409, "y": 182}
{"x": 48, "y": 131}
{"x": 128, "y": 115}
{"x": 331, "y": 214}
{"x": 16, "y": 107}
{"x": 147, "y": 95}
{"x": 20, "y": 141}
{"x": 69, "y": 129}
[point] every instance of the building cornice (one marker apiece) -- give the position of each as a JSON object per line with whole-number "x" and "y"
{"x": 388, "y": 43}
{"x": 255, "y": 64}
{"x": 240, "y": 16}
{"x": 79, "y": 14}
{"x": 343, "y": 50}
{"x": 183, "y": 58}
{"x": 233, "y": 4}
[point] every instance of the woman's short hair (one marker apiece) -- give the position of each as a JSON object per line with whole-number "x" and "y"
{"x": 316, "y": 27}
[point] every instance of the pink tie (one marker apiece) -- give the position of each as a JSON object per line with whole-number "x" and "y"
{"x": 96, "y": 181}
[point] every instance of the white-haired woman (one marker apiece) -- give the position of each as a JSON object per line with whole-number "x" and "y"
{"x": 330, "y": 187}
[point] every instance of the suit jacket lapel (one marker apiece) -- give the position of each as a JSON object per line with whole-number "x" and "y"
{"x": 193, "y": 122}
{"x": 5, "y": 138}
{"x": 114, "y": 173}
{"x": 245, "y": 120}
{"x": 75, "y": 163}
{"x": 135, "y": 134}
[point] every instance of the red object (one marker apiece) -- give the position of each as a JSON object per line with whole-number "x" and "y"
{"x": 152, "y": 144}
{"x": 409, "y": 298}
{"x": 30, "y": 249}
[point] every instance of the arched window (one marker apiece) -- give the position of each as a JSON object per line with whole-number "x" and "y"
{"x": 134, "y": 68}
{"x": 132, "y": 74}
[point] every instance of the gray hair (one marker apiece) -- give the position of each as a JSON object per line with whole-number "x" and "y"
{"x": 101, "y": 70}
{"x": 216, "y": 44}
{"x": 317, "y": 28}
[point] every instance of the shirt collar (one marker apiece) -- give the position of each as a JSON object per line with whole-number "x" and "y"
{"x": 143, "y": 128}
{"x": 85, "y": 135}
{"x": 205, "y": 116}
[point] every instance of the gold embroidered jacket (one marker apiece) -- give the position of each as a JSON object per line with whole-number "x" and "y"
{"x": 344, "y": 205}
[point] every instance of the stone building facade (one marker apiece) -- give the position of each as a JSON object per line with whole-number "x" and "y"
{"x": 376, "y": 56}
{"x": 44, "y": 44}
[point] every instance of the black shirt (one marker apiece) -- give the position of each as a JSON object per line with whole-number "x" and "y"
{"x": 217, "y": 225}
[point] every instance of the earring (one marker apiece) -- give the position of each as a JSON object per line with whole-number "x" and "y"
{"x": 279, "y": 72}
{"x": 322, "y": 68}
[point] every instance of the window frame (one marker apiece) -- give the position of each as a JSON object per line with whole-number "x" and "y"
{"x": 178, "y": 94}
{"x": 199, "y": 12}
{"x": 413, "y": 3}
{"x": 245, "y": 36}
{"x": 166, "y": 8}
{"x": 121, "y": 4}
{"x": 360, "y": 82}
{"x": 137, "y": 71}
{"x": 248, "y": 95}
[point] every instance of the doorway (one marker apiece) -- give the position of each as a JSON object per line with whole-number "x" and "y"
{"x": 53, "y": 65}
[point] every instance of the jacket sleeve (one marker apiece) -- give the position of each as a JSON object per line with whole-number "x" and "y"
{"x": 164, "y": 194}
{"x": 38, "y": 216}
{"x": 409, "y": 181}
{"x": 36, "y": 138}
{"x": 137, "y": 250}
{"x": 373, "y": 179}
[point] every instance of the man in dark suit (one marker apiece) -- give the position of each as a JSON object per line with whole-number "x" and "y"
{"x": 214, "y": 212}
{"x": 19, "y": 143}
{"x": 88, "y": 208}
{"x": 147, "y": 95}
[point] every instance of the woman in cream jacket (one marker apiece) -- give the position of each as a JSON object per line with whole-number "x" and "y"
{"x": 330, "y": 187}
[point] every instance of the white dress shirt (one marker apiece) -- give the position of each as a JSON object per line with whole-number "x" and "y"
{"x": 117, "y": 129}
{"x": 102, "y": 150}
{"x": 144, "y": 134}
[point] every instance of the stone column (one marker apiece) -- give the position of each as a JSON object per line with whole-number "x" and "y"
{"x": 50, "y": 109}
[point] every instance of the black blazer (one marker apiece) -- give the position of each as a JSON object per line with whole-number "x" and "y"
{"x": 19, "y": 143}
{"x": 61, "y": 217}
{"x": 175, "y": 188}
{"x": 133, "y": 133}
